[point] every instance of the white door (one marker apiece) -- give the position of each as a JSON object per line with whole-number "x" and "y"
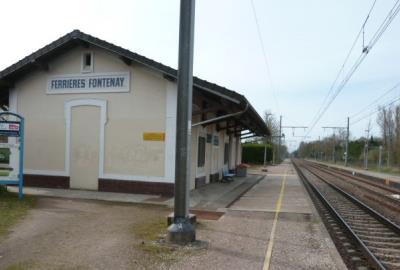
{"x": 84, "y": 151}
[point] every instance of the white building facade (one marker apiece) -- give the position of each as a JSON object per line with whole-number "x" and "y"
{"x": 99, "y": 117}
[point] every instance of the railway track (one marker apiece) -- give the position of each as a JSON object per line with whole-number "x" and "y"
{"x": 365, "y": 238}
{"x": 355, "y": 178}
{"x": 376, "y": 195}
{"x": 364, "y": 183}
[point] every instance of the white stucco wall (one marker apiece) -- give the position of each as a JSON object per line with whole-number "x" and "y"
{"x": 149, "y": 106}
{"x": 145, "y": 108}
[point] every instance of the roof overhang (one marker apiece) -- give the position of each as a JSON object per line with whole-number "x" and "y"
{"x": 250, "y": 119}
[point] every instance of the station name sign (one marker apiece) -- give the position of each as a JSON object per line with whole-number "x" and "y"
{"x": 89, "y": 83}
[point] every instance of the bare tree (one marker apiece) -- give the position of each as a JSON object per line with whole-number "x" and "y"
{"x": 272, "y": 123}
{"x": 397, "y": 134}
{"x": 388, "y": 121}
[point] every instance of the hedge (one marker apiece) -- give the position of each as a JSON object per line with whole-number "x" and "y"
{"x": 254, "y": 153}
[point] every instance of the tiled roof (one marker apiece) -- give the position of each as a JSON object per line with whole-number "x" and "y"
{"x": 23, "y": 66}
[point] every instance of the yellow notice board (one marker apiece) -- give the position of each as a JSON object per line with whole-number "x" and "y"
{"x": 154, "y": 136}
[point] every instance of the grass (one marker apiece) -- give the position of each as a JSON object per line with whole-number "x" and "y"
{"x": 21, "y": 266}
{"x": 32, "y": 265}
{"x": 393, "y": 171}
{"x": 151, "y": 235}
{"x": 12, "y": 209}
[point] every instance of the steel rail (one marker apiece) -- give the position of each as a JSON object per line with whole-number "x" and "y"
{"x": 356, "y": 178}
{"x": 372, "y": 259}
{"x": 357, "y": 182}
{"x": 371, "y": 211}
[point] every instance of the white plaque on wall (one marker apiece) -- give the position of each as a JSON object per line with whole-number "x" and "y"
{"x": 89, "y": 83}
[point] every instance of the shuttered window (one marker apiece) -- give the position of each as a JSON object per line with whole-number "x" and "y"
{"x": 226, "y": 153}
{"x": 201, "y": 153}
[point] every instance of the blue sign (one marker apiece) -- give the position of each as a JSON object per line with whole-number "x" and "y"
{"x": 14, "y": 129}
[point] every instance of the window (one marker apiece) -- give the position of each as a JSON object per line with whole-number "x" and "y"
{"x": 216, "y": 140}
{"x": 209, "y": 138}
{"x": 226, "y": 153}
{"x": 201, "y": 154}
{"x": 87, "y": 62}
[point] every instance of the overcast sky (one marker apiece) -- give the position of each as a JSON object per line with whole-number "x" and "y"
{"x": 306, "y": 43}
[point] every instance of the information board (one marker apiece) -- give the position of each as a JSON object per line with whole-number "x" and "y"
{"x": 12, "y": 151}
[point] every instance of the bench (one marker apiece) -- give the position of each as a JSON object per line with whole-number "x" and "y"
{"x": 227, "y": 176}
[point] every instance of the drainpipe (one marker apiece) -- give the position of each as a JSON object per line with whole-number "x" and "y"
{"x": 212, "y": 120}
{"x": 230, "y": 152}
{"x": 237, "y": 141}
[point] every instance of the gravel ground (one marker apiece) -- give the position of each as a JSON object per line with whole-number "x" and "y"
{"x": 379, "y": 201}
{"x": 239, "y": 239}
{"x": 236, "y": 241}
{"x": 76, "y": 234}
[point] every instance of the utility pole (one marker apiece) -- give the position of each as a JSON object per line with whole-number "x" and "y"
{"x": 273, "y": 155}
{"x": 334, "y": 148}
{"x": 346, "y": 157}
{"x": 380, "y": 157}
{"x": 366, "y": 147}
{"x": 280, "y": 136}
{"x": 181, "y": 231}
{"x": 265, "y": 141}
{"x": 319, "y": 148}
{"x": 265, "y": 151}
{"x": 388, "y": 157}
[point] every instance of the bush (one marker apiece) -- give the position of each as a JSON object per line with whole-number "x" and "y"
{"x": 254, "y": 153}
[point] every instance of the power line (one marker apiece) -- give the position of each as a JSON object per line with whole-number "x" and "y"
{"x": 375, "y": 111}
{"x": 338, "y": 90}
{"x": 264, "y": 53}
{"x": 376, "y": 100}
{"x": 385, "y": 24}
{"x": 365, "y": 22}
{"x": 344, "y": 63}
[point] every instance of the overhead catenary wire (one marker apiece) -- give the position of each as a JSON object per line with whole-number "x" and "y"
{"x": 265, "y": 56}
{"x": 389, "y": 18}
{"x": 378, "y": 34}
{"x": 385, "y": 24}
{"x": 340, "y": 87}
{"x": 376, "y": 100}
{"x": 365, "y": 22}
{"x": 344, "y": 63}
{"x": 375, "y": 111}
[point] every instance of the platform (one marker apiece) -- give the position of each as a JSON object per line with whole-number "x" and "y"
{"x": 210, "y": 197}
{"x": 274, "y": 225}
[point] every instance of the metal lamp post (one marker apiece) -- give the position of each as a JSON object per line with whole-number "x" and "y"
{"x": 181, "y": 231}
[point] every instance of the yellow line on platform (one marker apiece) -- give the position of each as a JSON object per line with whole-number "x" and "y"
{"x": 279, "y": 174}
{"x": 268, "y": 255}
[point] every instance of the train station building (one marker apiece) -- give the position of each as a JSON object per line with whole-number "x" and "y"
{"x": 100, "y": 117}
